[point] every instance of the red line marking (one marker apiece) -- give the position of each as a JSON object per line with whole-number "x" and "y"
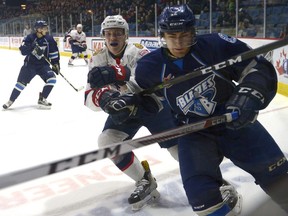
{"x": 273, "y": 110}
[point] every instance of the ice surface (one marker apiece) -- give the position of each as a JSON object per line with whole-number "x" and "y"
{"x": 32, "y": 137}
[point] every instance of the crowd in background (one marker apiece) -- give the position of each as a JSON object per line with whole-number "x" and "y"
{"x": 224, "y": 11}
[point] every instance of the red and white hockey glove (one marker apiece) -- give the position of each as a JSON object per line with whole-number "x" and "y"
{"x": 119, "y": 107}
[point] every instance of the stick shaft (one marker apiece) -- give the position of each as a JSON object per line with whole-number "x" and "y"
{"x": 47, "y": 60}
{"x": 110, "y": 151}
{"x": 205, "y": 70}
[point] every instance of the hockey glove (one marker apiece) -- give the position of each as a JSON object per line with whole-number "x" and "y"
{"x": 101, "y": 76}
{"x": 56, "y": 68}
{"x": 119, "y": 107}
{"x": 247, "y": 102}
{"x": 37, "y": 51}
{"x": 84, "y": 45}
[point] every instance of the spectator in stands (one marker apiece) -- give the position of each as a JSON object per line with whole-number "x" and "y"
{"x": 225, "y": 19}
{"x": 27, "y": 30}
{"x": 206, "y": 6}
{"x": 231, "y": 6}
{"x": 243, "y": 14}
{"x": 247, "y": 29}
{"x": 284, "y": 32}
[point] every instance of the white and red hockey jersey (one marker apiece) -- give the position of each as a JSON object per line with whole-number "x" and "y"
{"x": 133, "y": 52}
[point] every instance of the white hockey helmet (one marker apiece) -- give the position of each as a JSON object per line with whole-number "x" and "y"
{"x": 115, "y": 21}
{"x": 79, "y": 27}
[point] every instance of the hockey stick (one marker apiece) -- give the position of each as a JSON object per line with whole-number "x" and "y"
{"x": 206, "y": 70}
{"x": 76, "y": 89}
{"x": 111, "y": 150}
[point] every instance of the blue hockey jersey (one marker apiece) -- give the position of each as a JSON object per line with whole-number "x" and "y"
{"x": 206, "y": 95}
{"x": 47, "y": 43}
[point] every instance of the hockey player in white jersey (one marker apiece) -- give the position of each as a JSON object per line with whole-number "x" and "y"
{"x": 109, "y": 71}
{"x": 77, "y": 40}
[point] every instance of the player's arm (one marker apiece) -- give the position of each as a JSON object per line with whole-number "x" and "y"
{"x": 262, "y": 77}
{"x": 90, "y": 99}
{"x": 54, "y": 55}
{"x": 83, "y": 41}
{"x": 257, "y": 87}
{"x": 98, "y": 80}
{"x": 256, "y": 73}
{"x": 122, "y": 107}
{"x": 27, "y": 45}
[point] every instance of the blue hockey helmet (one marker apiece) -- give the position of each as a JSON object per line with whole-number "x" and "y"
{"x": 176, "y": 19}
{"x": 40, "y": 24}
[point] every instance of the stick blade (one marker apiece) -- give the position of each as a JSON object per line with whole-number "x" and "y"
{"x": 80, "y": 89}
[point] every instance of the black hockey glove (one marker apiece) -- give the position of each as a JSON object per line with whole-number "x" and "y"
{"x": 247, "y": 102}
{"x": 119, "y": 107}
{"x": 37, "y": 51}
{"x": 101, "y": 76}
{"x": 56, "y": 68}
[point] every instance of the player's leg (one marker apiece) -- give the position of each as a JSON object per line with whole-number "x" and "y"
{"x": 73, "y": 56}
{"x": 129, "y": 163}
{"x": 48, "y": 76}
{"x": 163, "y": 121}
{"x": 84, "y": 52}
{"x": 199, "y": 159}
{"x": 75, "y": 51}
{"x": 26, "y": 74}
{"x": 262, "y": 158}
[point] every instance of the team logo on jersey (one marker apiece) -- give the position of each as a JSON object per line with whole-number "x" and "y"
{"x": 199, "y": 99}
{"x": 227, "y": 38}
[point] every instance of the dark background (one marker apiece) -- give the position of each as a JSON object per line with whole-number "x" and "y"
{"x": 15, "y": 3}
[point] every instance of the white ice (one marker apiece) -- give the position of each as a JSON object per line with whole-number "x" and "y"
{"x": 32, "y": 137}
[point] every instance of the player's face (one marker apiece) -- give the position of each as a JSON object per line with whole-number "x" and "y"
{"x": 79, "y": 29}
{"x": 179, "y": 43}
{"x": 43, "y": 31}
{"x": 115, "y": 39}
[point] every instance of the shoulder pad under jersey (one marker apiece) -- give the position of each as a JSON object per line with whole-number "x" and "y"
{"x": 97, "y": 51}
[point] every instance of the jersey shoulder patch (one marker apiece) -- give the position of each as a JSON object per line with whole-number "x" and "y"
{"x": 227, "y": 38}
{"x": 139, "y": 46}
{"x": 97, "y": 51}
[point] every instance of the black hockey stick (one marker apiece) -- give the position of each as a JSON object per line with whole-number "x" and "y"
{"x": 76, "y": 89}
{"x": 111, "y": 150}
{"x": 206, "y": 70}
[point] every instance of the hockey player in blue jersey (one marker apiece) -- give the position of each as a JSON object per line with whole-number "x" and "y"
{"x": 244, "y": 141}
{"x": 34, "y": 47}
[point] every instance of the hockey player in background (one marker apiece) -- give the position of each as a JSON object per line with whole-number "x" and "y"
{"x": 244, "y": 141}
{"x": 34, "y": 47}
{"x": 77, "y": 40}
{"x": 110, "y": 70}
